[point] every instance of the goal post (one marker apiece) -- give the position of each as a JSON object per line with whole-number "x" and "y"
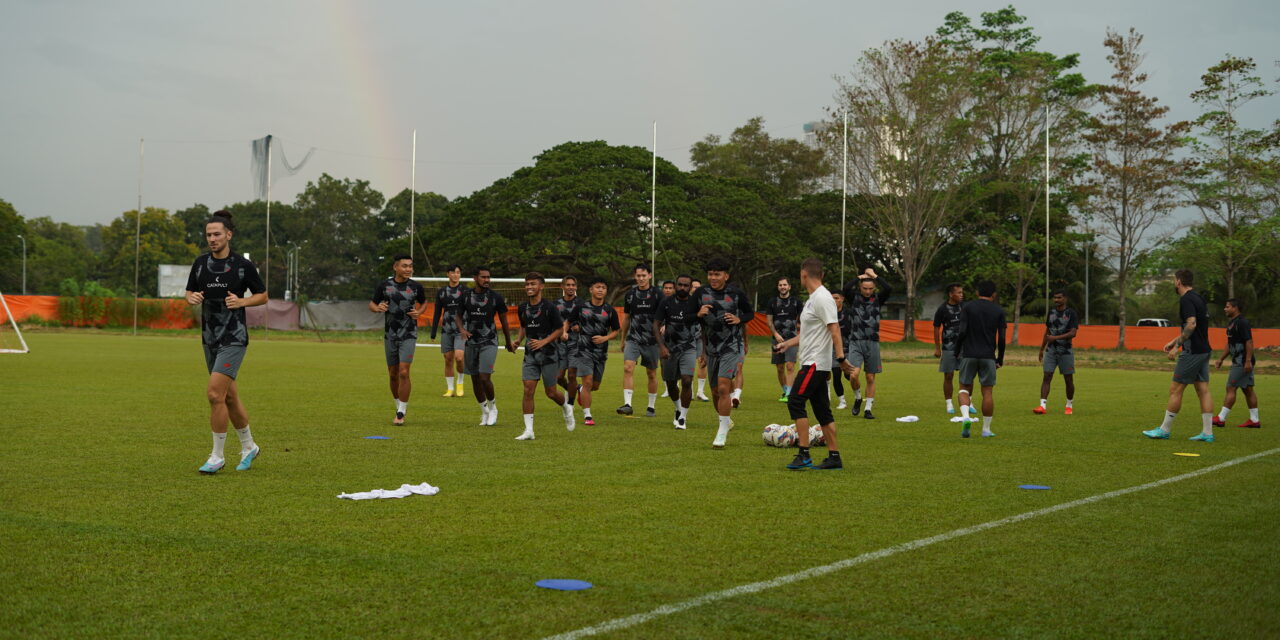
{"x": 9, "y": 330}
{"x": 512, "y": 290}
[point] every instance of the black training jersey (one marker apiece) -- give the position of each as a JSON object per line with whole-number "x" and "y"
{"x": 680, "y": 319}
{"x": 641, "y": 305}
{"x": 845, "y": 320}
{"x": 786, "y": 315}
{"x": 1191, "y": 305}
{"x": 723, "y": 338}
{"x": 448, "y": 300}
{"x": 539, "y": 321}
{"x": 568, "y": 307}
{"x": 478, "y": 309}
{"x": 948, "y": 317}
{"x": 1058, "y": 323}
{"x": 1238, "y": 333}
{"x": 980, "y": 322}
{"x": 215, "y": 278}
{"x": 590, "y": 321}
{"x": 400, "y": 298}
{"x": 866, "y": 311}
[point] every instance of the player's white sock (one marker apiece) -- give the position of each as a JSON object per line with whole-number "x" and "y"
{"x": 1069, "y": 401}
{"x": 702, "y": 382}
{"x": 401, "y": 406}
{"x": 857, "y": 393}
{"x": 870, "y": 401}
{"x": 653, "y": 400}
{"x": 484, "y": 412}
{"x": 986, "y": 425}
{"x": 626, "y": 396}
{"x": 950, "y": 407}
{"x": 681, "y": 410}
{"x": 528, "y": 428}
{"x": 1043, "y": 403}
{"x": 1206, "y": 424}
{"x": 493, "y": 412}
{"x": 448, "y": 380}
{"x": 246, "y": 439}
{"x": 219, "y": 442}
{"x": 737, "y": 394}
{"x": 457, "y": 380}
{"x": 1222, "y": 415}
{"x": 1167, "y": 425}
{"x": 1253, "y": 414}
{"x": 586, "y": 412}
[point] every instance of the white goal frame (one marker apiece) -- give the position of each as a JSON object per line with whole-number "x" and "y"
{"x": 443, "y": 280}
{"x": 14, "y": 323}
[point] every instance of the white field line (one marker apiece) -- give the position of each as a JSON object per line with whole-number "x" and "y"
{"x": 814, "y": 572}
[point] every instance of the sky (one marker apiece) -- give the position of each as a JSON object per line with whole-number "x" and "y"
{"x": 486, "y": 85}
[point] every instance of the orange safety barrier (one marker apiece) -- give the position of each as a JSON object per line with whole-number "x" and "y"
{"x": 176, "y": 313}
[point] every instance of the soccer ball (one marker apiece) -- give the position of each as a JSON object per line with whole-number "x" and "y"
{"x": 815, "y": 437}
{"x": 770, "y": 435}
{"x": 787, "y": 437}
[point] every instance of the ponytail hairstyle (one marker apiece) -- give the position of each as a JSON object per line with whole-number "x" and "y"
{"x": 223, "y": 217}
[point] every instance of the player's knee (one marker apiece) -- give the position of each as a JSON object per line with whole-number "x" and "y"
{"x": 216, "y": 396}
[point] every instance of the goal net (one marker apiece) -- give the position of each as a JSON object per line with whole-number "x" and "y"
{"x": 512, "y": 290}
{"x": 11, "y": 340}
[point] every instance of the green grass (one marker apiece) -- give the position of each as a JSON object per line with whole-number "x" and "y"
{"x": 108, "y": 531}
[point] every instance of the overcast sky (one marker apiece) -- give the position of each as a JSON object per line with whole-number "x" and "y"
{"x": 487, "y": 85}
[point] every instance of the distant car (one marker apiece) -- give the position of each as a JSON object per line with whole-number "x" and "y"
{"x": 1153, "y": 322}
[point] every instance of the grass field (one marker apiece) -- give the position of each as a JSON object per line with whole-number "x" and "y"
{"x": 108, "y": 531}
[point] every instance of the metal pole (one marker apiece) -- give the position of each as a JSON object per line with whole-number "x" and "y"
{"x": 137, "y": 238}
{"x": 413, "y": 188}
{"x": 266, "y": 321}
{"x": 1088, "y": 241}
{"x": 653, "y": 202}
{"x": 24, "y": 264}
{"x": 844, "y": 195}
{"x": 1046, "y": 207}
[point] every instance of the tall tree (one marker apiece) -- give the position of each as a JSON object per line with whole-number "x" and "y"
{"x": 336, "y": 223}
{"x": 428, "y": 209}
{"x": 57, "y": 251}
{"x": 791, "y": 166}
{"x": 909, "y": 145}
{"x": 11, "y": 226}
{"x": 162, "y": 240}
{"x": 1134, "y": 175}
{"x": 1235, "y": 170}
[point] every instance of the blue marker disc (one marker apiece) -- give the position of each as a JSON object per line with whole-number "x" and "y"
{"x": 1036, "y": 487}
{"x": 377, "y": 437}
{"x": 564, "y": 585}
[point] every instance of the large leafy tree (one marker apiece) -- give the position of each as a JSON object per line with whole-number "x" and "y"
{"x": 428, "y": 209}
{"x": 57, "y": 251}
{"x": 336, "y": 223}
{"x": 11, "y": 226}
{"x": 791, "y": 166}
{"x": 161, "y": 239}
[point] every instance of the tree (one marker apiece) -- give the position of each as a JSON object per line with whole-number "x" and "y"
{"x": 428, "y": 210}
{"x": 1234, "y": 172}
{"x": 11, "y": 226}
{"x": 162, "y": 241}
{"x": 910, "y": 142}
{"x": 1134, "y": 175}
{"x": 337, "y": 224}
{"x": 56, "y": 251}
{"x": 791, "y": 166}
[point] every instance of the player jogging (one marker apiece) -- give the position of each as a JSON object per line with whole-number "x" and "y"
{"x": 541, "y": 325}
{"x": 946, "y": 328}
{"x": 475, "y": 321}
{"x": 595, "y": 324}
{"x": 1193, "y": 363}
{"x": 1240, "y": 348}
{"x": 1061, "y": 326}
{"x": 818, "y": 339}
{"x": 980, "y": 349}
{"x": 864, "y": 344}
{"x": 668, "y": 290}
{"x": 674, "y": 326}
{"x": 638, "y": 306}
{"x": 724, "y": 311}
{"x": 783, "y": 312}
{"x": 218, "y": 282}
{"x": 700, "y": 395}
{"x": 448, "y": 298}
{"x": 837, "y": 368}
{"x": 401, "y": 300}
{"x": 567, "y": 305}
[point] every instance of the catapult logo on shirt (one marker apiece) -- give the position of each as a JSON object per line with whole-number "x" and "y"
{"x": 217, "y": 283}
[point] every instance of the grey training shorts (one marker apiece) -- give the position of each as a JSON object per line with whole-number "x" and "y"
{"x": 983, "y": 368}
{"x": 786, "y": 356}
{"x": 723, "y": 365}
{"x": 646, "y": 356}
{"x": 564, "y": 353}
{"x": 1192, "y": 367}
{"x": 1239, "y": 379}
{"x": 399, "y": 351}
{"x": 477, "y": 360}
{"x": 948, "y": 362}
{"x": 450, "y": 341}
{"x": 588, "y": 364}
{"x": 865, "y": 355}
{"x": 224, "y": 360}
{"x": 679, "y": 363}
{"x": 1065, "y": 363}
{"x": 532, "y": 369}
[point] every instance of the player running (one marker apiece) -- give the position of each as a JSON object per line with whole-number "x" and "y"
{"x": 638, "y": 306}
{"x": 864, "y": 344}
{"x": 674, "y": 326}
{"x": 567, "y": 305}
{"x": 1240, "y": 348}
{"x": 668, "y": 290}
{"x": 401, "y": 300}
{"x": 218, "y": 282}
{"x": 595, "y": 324}
{"x": 1193, "y": 364}
{"x": 541, "y": 325}
{"x": 724, "y": 311}
{"x": 448, "y": 298}
{"x": 846, "y": 327}
{"x": 818, "y": 339}
{"x": 700, "y": 395}
{"x": 475, "y": 322}
{"x": 783, "y": 312}
{"x": 980, "y": 349}
{"x": 946, "y": 328}
{"x": 1061, "y": 326}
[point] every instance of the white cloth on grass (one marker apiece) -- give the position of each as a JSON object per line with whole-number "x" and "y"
{"x": 909, "y": 419}
{"x": 404, "y": 491}
{"x": 957, "y": 419}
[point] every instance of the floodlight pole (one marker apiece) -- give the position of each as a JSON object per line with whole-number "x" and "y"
{"x": 24, "y": 264}
{"x": 137, "y": 237}
{"x": 413, "y": 188}
{"x": 1088, "y": 241}
{"x": 1046, "y": 206}
{"x": 266, "y": 316}
{"x": 844, "y": 194}
{"x": 653, "y": 202}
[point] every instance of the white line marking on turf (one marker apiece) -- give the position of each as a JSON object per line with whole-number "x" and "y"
{"x": 814, "y": 572}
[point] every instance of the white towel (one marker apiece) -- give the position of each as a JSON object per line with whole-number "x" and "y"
{"x": 957, "y": 419}
{"x": 909, "y": 419}
{"x": 404, "y": 491}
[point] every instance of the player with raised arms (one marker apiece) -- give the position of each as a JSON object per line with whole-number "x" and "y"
{"x": 541, "y": 326}
{"x": 673, "y": 325}
{"x": 1240, "y": 348}
{"x": 475, "y": 321}
{"x": 638, "y": 306}
{"x": 980, "y": 350}
{"x": 1193, "y": 363}
{"x": 1061, "y": 325}
{"x": 595, "y": 324}
{"x": 724, "y": 311}
{"x": 448, "y": 298}
{"x": 864, "y": 344}
{"x": 946, "y": 329}
{"x": 567, "y": 305}
{"x": 217, "y": 282}
{"x": 402, "y": 300}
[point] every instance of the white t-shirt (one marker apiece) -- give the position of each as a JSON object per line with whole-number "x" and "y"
{"x": 815, "y": 337}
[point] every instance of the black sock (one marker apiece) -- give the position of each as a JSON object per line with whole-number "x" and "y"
{"x": 804, "y": 452}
